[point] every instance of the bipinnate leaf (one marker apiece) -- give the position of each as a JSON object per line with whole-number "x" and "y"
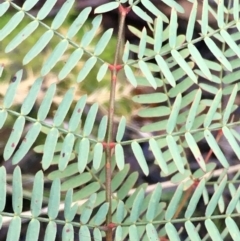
{"x": 22, "y": 35}
{"x": 176, "y": 155}
{"x": 89, "y": 64}
{"x": 130, "y": 75}
{"x": 153, "y": 203}
{"x": 191, "y": 230}
{"x": 29, "y": 4}
{"x": 154, "y": 10}
{"x": 129, "y": 183}
{"x": 46, "y": 103}
{"x": 141, "y": 14}
{"x": 11, "y": 25}
{"x": 195, "y": 150}
{"x": 151, "y": 232}
{"x": 77, "y": 114}
{"x": 158, "y": 155}
{"x": 88, "y": 125}
{"x": 97, "y": 155}
{"x": 14, "y": 229}
{"x": 192, "y": 205}
{"x": 84, "y": 233}
{"x": 66, "y": 151}
{"x": 215, "y": 198}
{"x": 217, "y": 53}
{"x": 106, "y": 7}
{"x": 12, "y": 89}
{"x": 173, "y": 204}
{"x": 213, "y": 230}
{"x": 33, "y": 230}
{"x": 120, "y": 211}
{"x": 87, "y": 211}
{"x": 215, "y": 148}
{"x": 17, "y": 192}
{"x": 14, "y": 138}
{"x": 49, "y": 147}
{"x": 78, "y": 22}
{"x": 165, "y": 70}
{"x": 213, "y": 108}
{"x": 62, "y": 14}
{"x": 173, "y": 29}
{"x": 172, "y": 120}
{"x": 45, "y": 9}
{"x": 3, "y": 188}
{"x": 38, "y": 46}
{"x": 54, "y": 57}
{"x": 72, "y": 61}
{"x": 100, "y": 216}
{"x": 88, "y": 36}
{"x": 3, "y": 117}
{"x": 145, "y": 70}
{"x": 83, "y": 153}
{"x": 175, "y": 5}
{"x": 135, "y": 212}
{"x": 102, "y": 71}
{"x": 37, "y": 195}
{"x": 4, "y": 7}
{"x": 54, "y": 199}
{"x": 184, "y": 65}
{"x": 67, "y": 232}
{"x": 138, "y": 153}
{"x": 29, "y": 101}
{"x": 133, "y": 233}
{"x": 172, "y": 232}
{"x": 193, "y": 110}
{"x": 102, "y": 128}
{"x": 191, "y": 21}
{"x": 232, "y": 228}
{"x": 51, "y": 231}
{"x": 27, "y": 142}
{"x": 234, "y": 202}
{"x": 103, "y": 42}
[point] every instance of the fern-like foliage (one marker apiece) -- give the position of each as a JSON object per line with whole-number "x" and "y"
{"x": 178, "y": 76}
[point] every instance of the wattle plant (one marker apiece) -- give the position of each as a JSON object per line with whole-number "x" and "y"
{"x": 186, "y": 99}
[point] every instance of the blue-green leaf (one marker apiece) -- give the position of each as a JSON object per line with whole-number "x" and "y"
{"x": 54, "y": 199}
{"x": 22, "y": 35}
{"x": 14, "y": 229}
{"x": 11, "y": 25}
{"x": 84, "y": 148}
{"x": 38, "y": 46}
{"x": 62, "y": 14}
{"x": 45, "y": 9}
{"x": 37, "y": 194}
{"x": 66, "y": 151}
{"x": 46, "y": 103}
{"x": 103, "y": 42}
{"x": 89, "y": 64}
{"x": 49, "y": 147}
{"x": 63, "y": 108}
{"x": 14, "y": 137}
{"x": 88, "y": 125}
{"x": 12, "y": 89}
{"x": 78, "y": 22}
{"x": 33, "y": 230}
{"x": 106, "y": 7}
{"x": 138, "y": 152}
{"x": 141, "y": 14}
{"x": 71, "y": 63}
{"x": 27, "y": 142}
{"x": 54, "y": 57}
{"x": 17, "y": 192}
